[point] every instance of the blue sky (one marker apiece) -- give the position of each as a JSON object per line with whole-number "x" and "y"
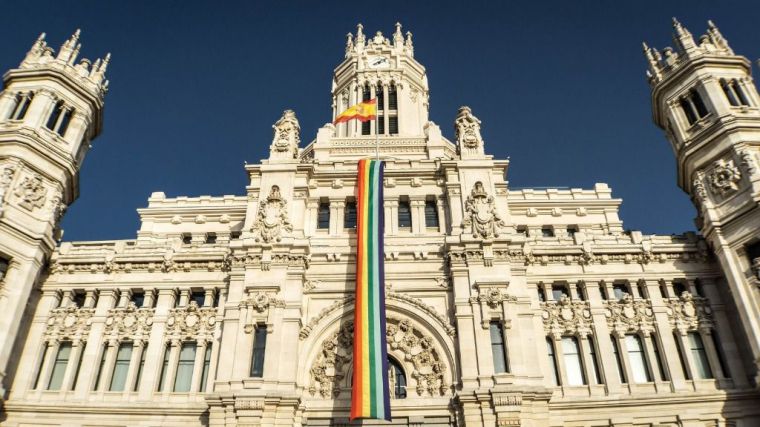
{"x": 196, "y": 86}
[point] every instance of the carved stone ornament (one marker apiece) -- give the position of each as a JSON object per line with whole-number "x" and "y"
{"x": 689, "y": 313}
{"x": 6, "y": 178}
{"x": 492, "y": 297}
{"x": 724, "y": 177}
{"x": 420, "y": 360}
{"x": 70, "y": 323}
{"x": 31, "y": 193}
{"x": 261, "y": 301}
{"x": 129, "y": 323}
{"x": 481, "y": 215}
{"x": 57, "y": 208}
{"x": 272, "y": 218}
{"x": 287, "y": 136}
{"x": 566, "y": 317}
{"x": 191, "y": 323}
{"x": 629, "y": 316}
{"x": 467, "y": 129}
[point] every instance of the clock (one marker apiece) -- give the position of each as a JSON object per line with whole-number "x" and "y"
{"x": 378, "y": 62}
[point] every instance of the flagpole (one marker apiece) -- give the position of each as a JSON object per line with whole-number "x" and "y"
{"x": 377, "y": 136}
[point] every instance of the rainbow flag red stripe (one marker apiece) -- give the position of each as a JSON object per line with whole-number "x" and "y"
{"x": 370, "y": 396}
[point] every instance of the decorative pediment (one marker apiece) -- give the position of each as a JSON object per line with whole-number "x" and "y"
{"x": 689, "y": 313}
{"x": 566, "y": 317}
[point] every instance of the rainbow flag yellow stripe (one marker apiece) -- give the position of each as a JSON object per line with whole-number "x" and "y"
{"x": 370, "y": 397}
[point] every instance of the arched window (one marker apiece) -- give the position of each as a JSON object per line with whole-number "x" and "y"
{"x": 366, "y": 94}
{"x": 396, "y": 379}
{"x": 393, "y": 110}
{"x": 380, "y": 95}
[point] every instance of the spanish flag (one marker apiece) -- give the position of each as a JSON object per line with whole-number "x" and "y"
{"x": 364, "y": 112}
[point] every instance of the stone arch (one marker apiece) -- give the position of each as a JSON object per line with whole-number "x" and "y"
{"x": 422, "y": 358}
{"x": 322, "y": 333}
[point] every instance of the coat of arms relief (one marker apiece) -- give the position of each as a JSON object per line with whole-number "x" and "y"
{"x": 272, "y": 218}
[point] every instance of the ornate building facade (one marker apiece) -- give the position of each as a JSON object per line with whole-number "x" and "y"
{"x": 505, "y": 307}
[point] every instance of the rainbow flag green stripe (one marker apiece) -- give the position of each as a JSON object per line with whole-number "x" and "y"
{"x": 370, "y": 397}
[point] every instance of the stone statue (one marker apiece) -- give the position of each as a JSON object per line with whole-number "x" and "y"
{"x": 467, "y": 132}
{"x": 481, "y": 215}
{"x": 272, "y": 218}
{"x": 287, "y": 136}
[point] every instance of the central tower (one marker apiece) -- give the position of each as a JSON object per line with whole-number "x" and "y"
{"x": 378, "y": 67}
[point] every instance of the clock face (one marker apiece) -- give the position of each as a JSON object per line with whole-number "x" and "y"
{"x": 378, "y": 62}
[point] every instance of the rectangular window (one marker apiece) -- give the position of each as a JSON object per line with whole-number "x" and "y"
{"x": 54, "y": 115}
{"x": 138, "y": 298}
{"x": 184, "y": 378}
{"x": 540, "y": 292}
{"x": 658, "y": 358}
{"x": 640, "y": 291}
{"x": 199, "y": 297}
{"x": 699, "y": 355}
{"x": 392, "y": 98}
{"x": 523, "y": 230}
{"x": 580, "y": 291}
{"x": 638, "y": 359}
{"x": 616, "y": 352}
{"x": 59, "y": 365}
{"x": 552, "y": 360}
{"x": 349, "y": 215}
{"x": 164, "y": 368}
{"x": 570, "y": 231}
{"x": 187, "y": 238}
{"x": 64, "y": 123}
{"x": 431, "y": 214}
{"x": 679, "y": 288}
{"x": 381, "y": 125}
{"x": 573, "y": 365}
{"x": 594, "y": 368}
{"x": 323, "y": 216}
{"x": 393, "y": 125}
{"x": 210, "y": 238}
{"x": 547, "y": 232}
{"x": 619, "y": 289}
{"x": 121, "y": 367}
{"x": 259, "y": 351}
{"x": 79, "y": 298}
{"x": 140, "y": 367}
{"x": 681, "y": 357}
{"x": 206, "y": 366}
{"x": 603, "y": 291}
{"x": 558, "y": 291}
{"x": 498, "y": 349}
{"x": 404, "y": 214}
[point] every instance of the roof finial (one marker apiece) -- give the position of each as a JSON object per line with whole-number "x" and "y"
{"x": 717, "y": 38}
{"x": 349, "y": 44}
{"x": 653, "y": 60}
{"x": 398, "y": 37}
{"x": 360, "y": 38}
{"x": 408, "y": 43}
{"x": 69, "y": 46}
{"x": 683, "y": 38}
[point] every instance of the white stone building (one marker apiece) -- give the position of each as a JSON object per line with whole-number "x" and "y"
{"x": 505, "y": 307}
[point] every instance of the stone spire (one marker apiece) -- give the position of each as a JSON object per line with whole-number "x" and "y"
{"x": 70, "y": 48}
{"x": 683, "y": 38}
{"x": 398, "y": 37}
{"x": 717, "y": 38}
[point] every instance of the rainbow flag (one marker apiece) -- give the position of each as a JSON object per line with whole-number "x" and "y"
{"x": 370, "y": 397}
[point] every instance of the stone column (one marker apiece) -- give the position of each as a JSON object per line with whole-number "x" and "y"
{"x": 8, "y": 104}
{"x": 200, "y": 356}
{"x": 337, "y": 207}
{"x": 373, "y": 123}
{"x": 683, "y": 344}
{"x": 606, "y": 355}
{"x": 440, "y": 205}
{"x": 149, "y": 297}
{"x": 107, "y": 371}
{"x": 559, "y": 358}
{"x": 208, "y": 298}
{"x": 47, "y": 364}
{"x": 77, "y": 129}
{"x": 124, "y": 297}
{"x": 465, "y": 323}
{"x": 668, "y": 347}
{"x": 311, "y": 217}
{"x": 654, "y": 372}
{"x": 154, "y": 356}
{"x": 184, "y": 297}
{"x": 588, "y": 363}
{"x": 71, "y": 369}
{"x": 391, "y": 216}
{"x": 40, "y": 108}
{"x": 171, "y": 373}
{"x": 90, "y": 298}
{"x": 134, "y": 365}
{"x": 417, "y": 205}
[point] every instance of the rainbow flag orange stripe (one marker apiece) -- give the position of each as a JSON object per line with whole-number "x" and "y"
{"x": 363, "y": 111}
{"x": 370, "y": 397}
